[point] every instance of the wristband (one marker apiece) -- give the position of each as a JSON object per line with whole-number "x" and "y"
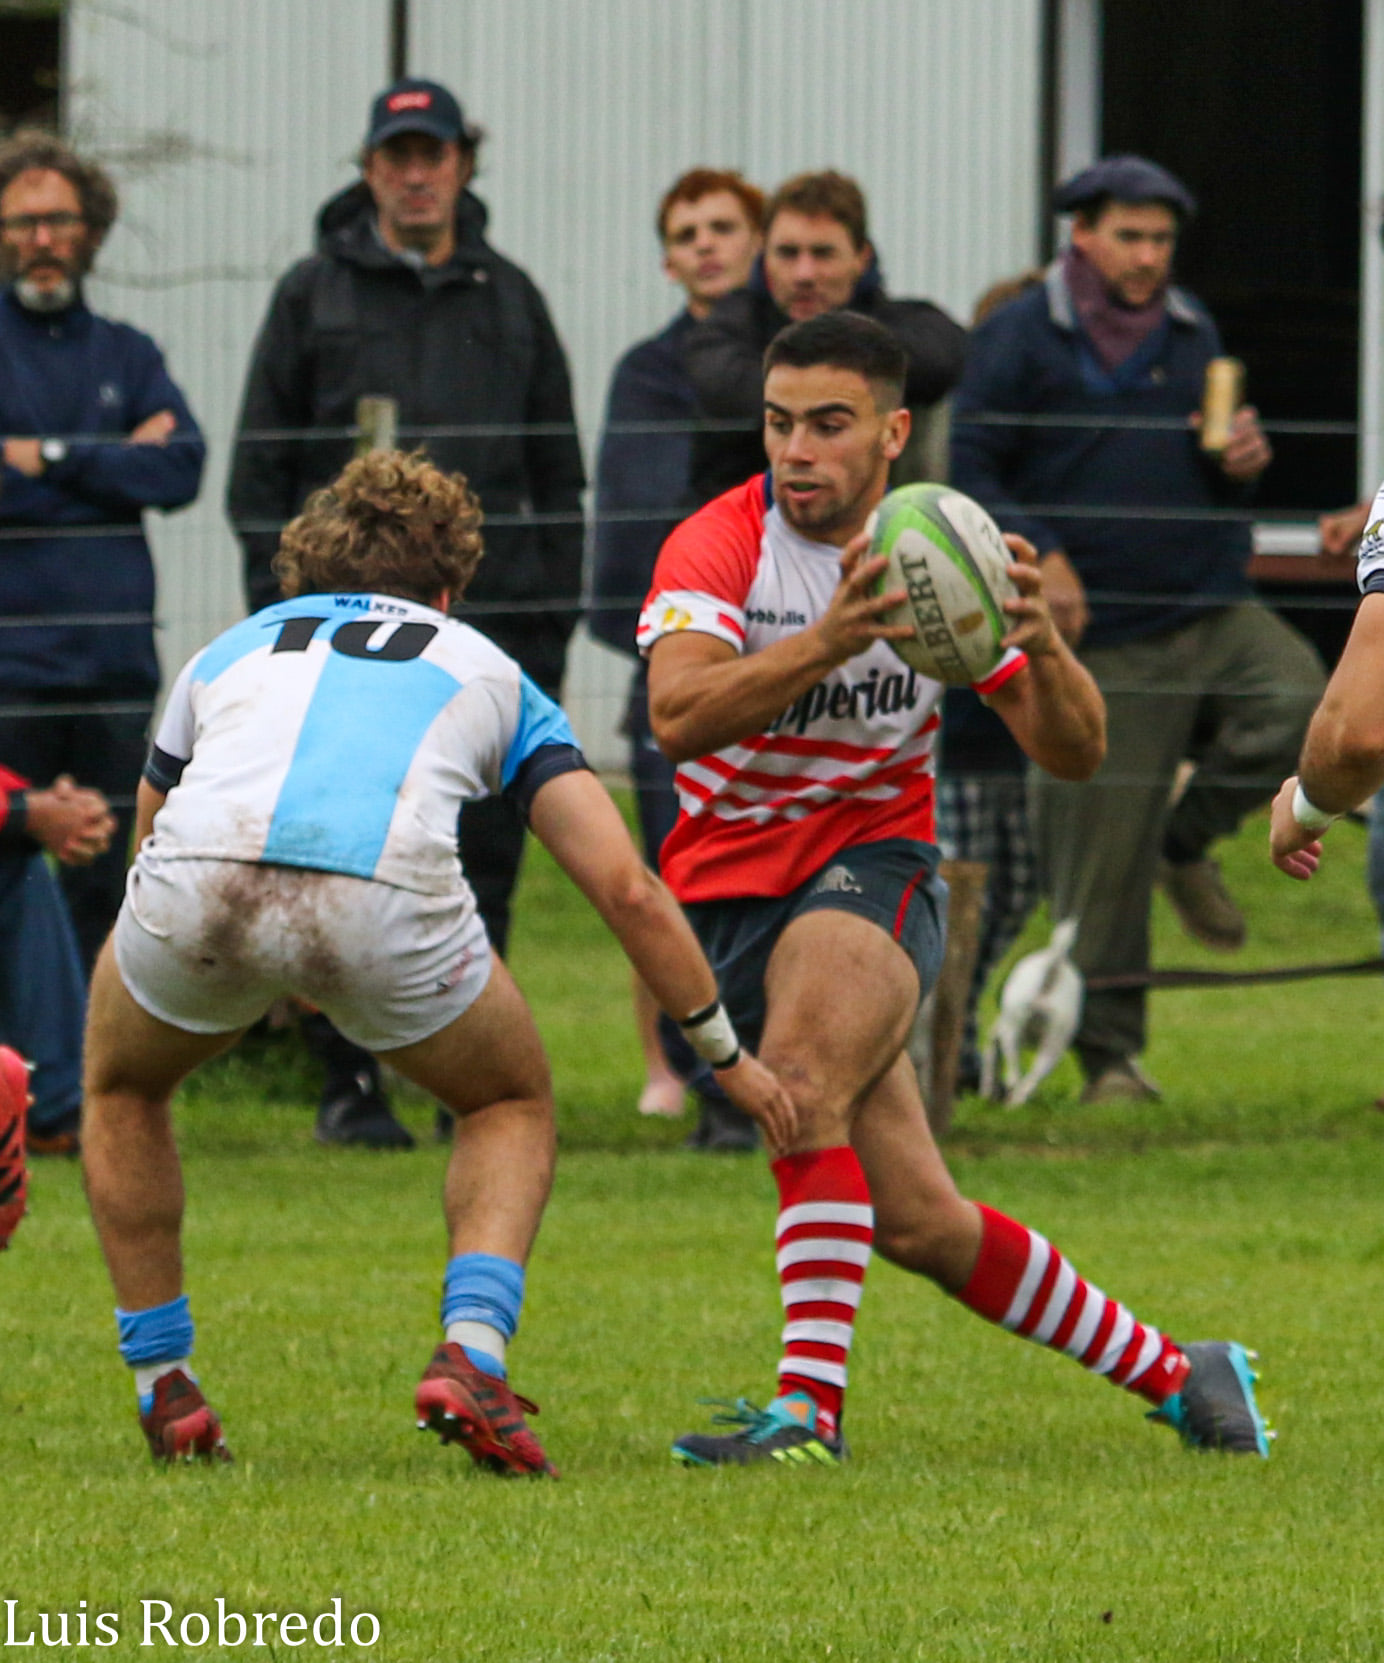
{"x": 710, "y": 1034}
{"x": 1307, "y": 814}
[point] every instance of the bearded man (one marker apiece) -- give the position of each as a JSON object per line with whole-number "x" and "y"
{"x": 94, "y": 432}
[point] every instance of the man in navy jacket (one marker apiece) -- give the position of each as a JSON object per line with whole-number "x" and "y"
{"x": 94, "y": 432}
{"x": 1146, "y": 563}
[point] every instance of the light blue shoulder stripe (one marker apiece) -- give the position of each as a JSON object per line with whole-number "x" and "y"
{"x": 238, "y": 642}
{"x": 541, "y": 722}
{"x": 260, "y": 629}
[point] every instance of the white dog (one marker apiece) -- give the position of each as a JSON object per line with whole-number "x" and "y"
{"x": 1040, "y": 1006}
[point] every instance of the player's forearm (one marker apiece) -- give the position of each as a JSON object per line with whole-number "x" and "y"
{"x": 1340, "y": 767}
{"x": 575, "y": 820}
{"x": 1059, "y": 715}
{"x": 700, "y": 708}
{"x": 658, "y": 941}
{"x": 1343, "y": 755}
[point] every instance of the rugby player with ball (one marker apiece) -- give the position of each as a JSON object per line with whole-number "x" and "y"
{"x": 803, "y": 855}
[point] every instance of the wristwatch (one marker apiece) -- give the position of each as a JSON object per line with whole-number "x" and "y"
{"x": 53, "y": 450}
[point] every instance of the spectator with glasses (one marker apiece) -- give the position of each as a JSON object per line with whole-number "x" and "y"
{"x": 93, "y": 431}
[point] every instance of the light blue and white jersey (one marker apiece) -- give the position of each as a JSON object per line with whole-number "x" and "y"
{"x": 343, "y": 733}
{"x": 1369, "y": 567}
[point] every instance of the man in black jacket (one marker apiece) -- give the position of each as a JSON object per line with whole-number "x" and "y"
{"x": 404, "y": 298}
{"x": 817, "y": 257}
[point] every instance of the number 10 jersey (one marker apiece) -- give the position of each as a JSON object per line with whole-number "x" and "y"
{"x": 343, "y": 732}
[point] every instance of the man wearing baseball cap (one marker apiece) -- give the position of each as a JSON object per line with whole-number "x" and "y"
{"x": 1145, "y": 562}
{"x": 404, "y": 298}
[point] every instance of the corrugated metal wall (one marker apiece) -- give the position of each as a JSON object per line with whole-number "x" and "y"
{"x": 229, "y": 121}
{"x": 225, "y": 123}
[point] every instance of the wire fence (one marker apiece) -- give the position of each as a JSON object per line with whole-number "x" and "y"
{"x": 14, "y": 704}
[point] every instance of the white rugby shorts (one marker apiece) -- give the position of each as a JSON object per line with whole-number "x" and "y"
{"x": 208, "y": 945}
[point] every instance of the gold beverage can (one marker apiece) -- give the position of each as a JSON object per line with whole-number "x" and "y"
{"x": 1222, "y": 395}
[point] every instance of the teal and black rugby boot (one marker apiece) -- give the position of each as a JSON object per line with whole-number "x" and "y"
{"x": 1216, "y": 1408}
{"x": 787, "y": 1431}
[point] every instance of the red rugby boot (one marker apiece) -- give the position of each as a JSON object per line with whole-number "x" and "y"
{"x": 14, "y": 1171}
{"x": 181, "y": 1425}
{"x": 465, "y": 1405}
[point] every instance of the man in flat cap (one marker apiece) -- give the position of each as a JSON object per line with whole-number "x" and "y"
{"x": 1146, "y": 565}
{"x": 404, "y": 298}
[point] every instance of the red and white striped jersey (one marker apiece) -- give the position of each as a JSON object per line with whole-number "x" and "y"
{"x": 848, "y": 762}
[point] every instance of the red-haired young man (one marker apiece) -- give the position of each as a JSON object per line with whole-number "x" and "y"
{"x": 708, "y": 227}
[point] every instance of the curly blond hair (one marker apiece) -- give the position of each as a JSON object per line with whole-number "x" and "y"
{"x": 390, "y": 524}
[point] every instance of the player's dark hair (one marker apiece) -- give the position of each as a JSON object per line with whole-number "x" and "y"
{"x": 31, "y": 148}
{"x": 389, "y": 524}
{"x": 846, "y": 341}
{"x": 698, "y": 182}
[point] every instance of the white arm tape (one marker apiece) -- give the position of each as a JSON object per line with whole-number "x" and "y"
{"x": 711, "y": 1035}
{"x": 1307, "y": 814}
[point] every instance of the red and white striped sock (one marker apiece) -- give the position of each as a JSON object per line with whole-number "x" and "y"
{"x": 825, "y": 1227}
{"x": 1023, "y": 1283}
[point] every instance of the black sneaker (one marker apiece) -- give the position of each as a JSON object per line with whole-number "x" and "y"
{"x": 722, "y": 1129}
{"x": 357, "y": 1113}
{"x": 1216, "y": 1408}
{"x": 57, "y": 1137}
{"x": 786, "y": 1431}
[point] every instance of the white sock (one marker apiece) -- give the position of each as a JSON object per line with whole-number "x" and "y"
{"x": 149, "y": 1373}
{"x": 478, "y": 1336}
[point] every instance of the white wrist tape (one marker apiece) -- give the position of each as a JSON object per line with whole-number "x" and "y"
{"x": 710, "y": 1034}
{"x": 1307, "y": 814}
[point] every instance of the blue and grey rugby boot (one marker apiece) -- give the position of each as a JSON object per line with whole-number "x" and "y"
{"x": 1216, "y": 1408}
{"x": 788, "y": 1431}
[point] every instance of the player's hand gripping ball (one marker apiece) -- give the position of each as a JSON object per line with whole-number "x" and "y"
{"x": 948, "y": 554}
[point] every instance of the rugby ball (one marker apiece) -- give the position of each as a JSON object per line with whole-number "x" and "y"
{"x": 948, "y": 554}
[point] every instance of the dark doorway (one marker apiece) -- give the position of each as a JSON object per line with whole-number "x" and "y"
{"x": 1258, "y": 106}
{"x": 30, "y": 66}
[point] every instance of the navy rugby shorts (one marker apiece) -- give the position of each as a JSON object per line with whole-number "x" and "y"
{"x": 894, "y": 883}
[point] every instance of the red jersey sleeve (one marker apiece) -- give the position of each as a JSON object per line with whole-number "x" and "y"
{"x": 705, "y": 570}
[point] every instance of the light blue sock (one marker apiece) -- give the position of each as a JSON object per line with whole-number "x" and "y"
{"x": 484, "y": 1293}
{"x": 159, "y": 1334}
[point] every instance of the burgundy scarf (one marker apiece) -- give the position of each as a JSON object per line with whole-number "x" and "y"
{"x": 1114, "y": 329}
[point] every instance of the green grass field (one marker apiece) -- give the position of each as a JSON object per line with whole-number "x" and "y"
{"x": 1000, "y": 1504}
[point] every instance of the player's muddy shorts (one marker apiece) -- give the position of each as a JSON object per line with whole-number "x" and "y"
{"x": 893, "y": 883}
{"x": 208, "y": 945}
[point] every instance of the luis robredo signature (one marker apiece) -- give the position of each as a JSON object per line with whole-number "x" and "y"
{"x": 161, "y": 1625}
